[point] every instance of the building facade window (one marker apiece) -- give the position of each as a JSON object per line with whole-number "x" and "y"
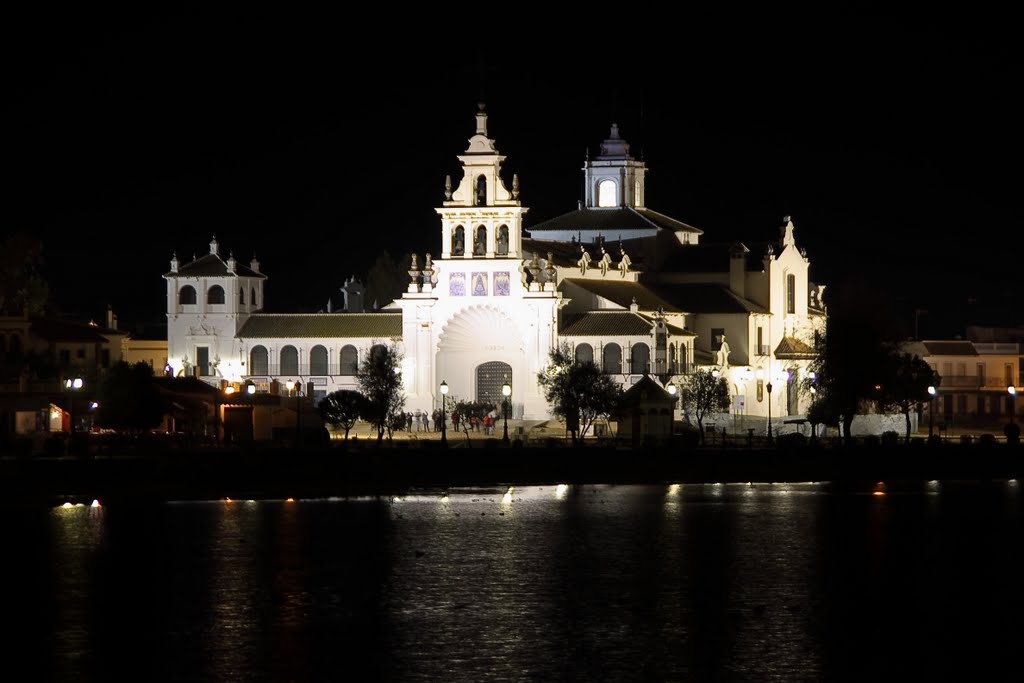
{"x": 318, "y": 360}
{"x": 640, "y": 358}
{"x": 584, "y": 353}
{"x": 259, "y": 361}
{"x": 349, "y": 360}
{"x": 501, "y": 242}
{"x": 289, "y": 360}
{"x": 187, "y": 295}
{"x": 458, "y": 241}
{"x": 241, "y": 296}
{"x": 611, "y": 359}
{"x": 215, "y": 295}
{"x": 606, "y": 194}
{"x": 791, "y": 294}
{"x": 252, "y": 297}
{"x": 481, "y": 191}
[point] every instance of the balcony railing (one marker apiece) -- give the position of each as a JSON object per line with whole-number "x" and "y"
{"x": 960, "y": 382}
{"x": 302, "y": 370}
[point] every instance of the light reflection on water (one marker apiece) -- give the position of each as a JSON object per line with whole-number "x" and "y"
{"x": 785, "y": 582}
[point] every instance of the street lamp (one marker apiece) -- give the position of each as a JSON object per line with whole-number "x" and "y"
{"x": 444, "y": 425}
{"x": 293, "y": 391}
{"x": 933, "y": 392}
{"x": 1012, "y": 391}
{"x": 506, "y": 391}
{"x": 769, "y": 388}
{"x": 73, "y": 385}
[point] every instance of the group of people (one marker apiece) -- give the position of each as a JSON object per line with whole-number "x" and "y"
{"x": 422, "y": 421}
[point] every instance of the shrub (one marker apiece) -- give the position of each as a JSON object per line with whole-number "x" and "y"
{"x": 792, "y": 440}
{"x": 54, "y": 446}
{"x": 890, "y": 438}
{"x": 987, "y": 440}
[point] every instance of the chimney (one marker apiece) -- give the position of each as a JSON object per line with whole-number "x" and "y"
{"x": 738, "y": 269}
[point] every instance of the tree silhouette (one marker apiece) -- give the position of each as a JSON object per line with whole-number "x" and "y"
{"x": 577, "y": 391}
{"x": 129, "y": 399}
{"x": 703, "y": 393}
{"x": 380, "y": 381}
{"x": 904, "y": 385}
{"x": 342, "y": 409}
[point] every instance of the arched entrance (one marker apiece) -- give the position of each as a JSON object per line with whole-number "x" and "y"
{"x": 489, "y": 378}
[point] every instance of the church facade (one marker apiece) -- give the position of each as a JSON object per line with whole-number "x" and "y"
{"x": 639, "y": 293}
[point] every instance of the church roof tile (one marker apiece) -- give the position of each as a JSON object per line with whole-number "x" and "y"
{"x": 322, "y": 325}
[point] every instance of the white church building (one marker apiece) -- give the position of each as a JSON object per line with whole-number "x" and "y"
{"x": 636, "y": 291}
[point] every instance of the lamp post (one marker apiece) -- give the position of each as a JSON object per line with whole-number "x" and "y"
{"x": 1012, "y": 391}
{"x": 444, "y": 425}
{"x": 506, "y": 391}
{"x": 769, "y": 388}
{"x": 933, "y": 392}
{"x": 73, "y": 385}
{"x": 292, "y": 391}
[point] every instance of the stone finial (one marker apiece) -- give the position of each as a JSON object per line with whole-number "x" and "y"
{"x": 231, "y": 262}
{"x": 174, "y": 262}
{"x": 633, "y": 306}
{"x": 515, "y": 186}
{"x": 624, "y": 263}
{"x": 254, "y": 264}
{"x": 605, "y": 262}
{"x": 584, "y": 260}
{"x": 550, "y": 271}
{"x": 448, "y": 187}
{"x": 213, "y": 245}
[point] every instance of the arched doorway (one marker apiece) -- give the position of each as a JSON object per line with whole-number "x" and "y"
{"x": 489, "y": 378}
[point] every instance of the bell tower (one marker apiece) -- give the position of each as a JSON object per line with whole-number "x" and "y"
{"x": 614, "y": 179}
{"x": 481, "y": 218}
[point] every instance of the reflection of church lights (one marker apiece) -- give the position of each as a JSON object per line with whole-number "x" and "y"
{"x": 561, "y": 490}
{"x": 673, "y": 489}
{"x": 507, "y": 498}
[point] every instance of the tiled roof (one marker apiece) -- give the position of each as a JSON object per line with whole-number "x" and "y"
{"x": 705, "y": 297}
{"x": 645, "y": 389}
{"x": 950, "y": 348}
{"x": 612, "y": 221}
{"x": 711, "y": 258}
{"x": 611, "y": 323}
{"x": 791, "y": 348}
{"x": 53, "y": 330}
{"x": 212, "y": 265}
{"x": 322, "y": 325}
{"x": 594, "y": 323}
{"x": 623, "y": 293}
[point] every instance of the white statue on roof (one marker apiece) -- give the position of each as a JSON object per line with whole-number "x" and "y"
{"x": 722, "y": 356}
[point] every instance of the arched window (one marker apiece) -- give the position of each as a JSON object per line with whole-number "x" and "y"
{"x": 215, "y": 295}
{"x": 349, "y": 360}
{"x": 673, "y": 363}
{"x": 480, "y": 241}
{"x": 252, "y": 297}
{"x": 501, "y": 242}
{"x": 241, "y": 296}
{"x": 791, "y": 294}
{"x": 258, "y": 361}
{"x": 606, "y": 194}
{"x": 187, "y": 295}
{"x": 684, "y": 363}
{"x": 377, "y": 349}
{"x": 640, "y": 356}
{"x": 584, "y": 353}
{"x": 481, "y": 191}
{"x": 318, "y": 360}
{"x": 458, "y": 241}
{"x": 637, "y": 199}
{"x": 611, "y": 360}
{"x": 289, "y": 361}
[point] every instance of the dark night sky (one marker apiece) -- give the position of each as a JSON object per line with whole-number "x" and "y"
{"x": 895, "y": 143}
